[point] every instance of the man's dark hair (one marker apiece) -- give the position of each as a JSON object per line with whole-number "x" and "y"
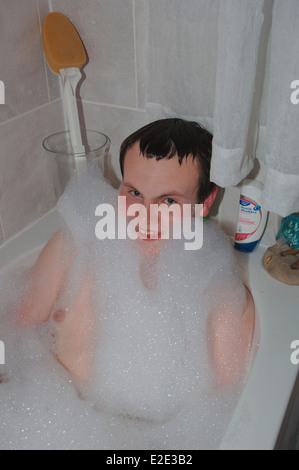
{"x": 166, "y": 137}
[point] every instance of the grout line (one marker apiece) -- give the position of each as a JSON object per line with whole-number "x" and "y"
{"x": 51, "y": 9}
{"x": 1, "y": 221}
{"x": 44, "y": 59}
{"x": 38, "y": 15}
{"x": 28, "y": 112}
{"x": 135, "y": 53}
{"x": 128, "y": 108}
{"x": 108, "y": 105}
{"x": 2, "y": 228}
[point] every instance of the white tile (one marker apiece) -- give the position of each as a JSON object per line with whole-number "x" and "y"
{"x": 141, "y": 31}
{"x": 21, "y": 58}
{"x": 115, "y": 122}
{"x": 106, "y": 29}
{"x": 26, "y": 190}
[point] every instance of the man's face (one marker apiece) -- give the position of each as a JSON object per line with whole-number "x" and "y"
{"x": 147, "y": 181}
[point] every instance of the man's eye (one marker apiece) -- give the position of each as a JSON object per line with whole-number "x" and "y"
{"x": 170, "y": 200}
{"x": 134, "y": 193}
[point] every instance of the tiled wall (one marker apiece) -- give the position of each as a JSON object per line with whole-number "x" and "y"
{"x": 111, "y": 92}
{"x": 32, "y": 110}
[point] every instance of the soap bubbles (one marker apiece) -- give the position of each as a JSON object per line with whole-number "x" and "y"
{"x": 153, "y": 383}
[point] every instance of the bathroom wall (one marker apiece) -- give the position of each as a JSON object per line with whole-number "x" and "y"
{"x": 111, "y": 93}
{"x": 112, "y": 96}
{"x": 32, "y": 110}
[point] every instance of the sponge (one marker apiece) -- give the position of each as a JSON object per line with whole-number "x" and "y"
{"x": 62, "y": 44}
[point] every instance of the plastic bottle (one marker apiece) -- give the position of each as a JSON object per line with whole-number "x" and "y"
{"x": 252, "y": 218}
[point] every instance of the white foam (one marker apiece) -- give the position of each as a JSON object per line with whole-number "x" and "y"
{"x": 153, "y": 385}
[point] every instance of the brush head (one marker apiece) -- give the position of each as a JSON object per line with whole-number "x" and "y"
{"x": 62, "y": 44}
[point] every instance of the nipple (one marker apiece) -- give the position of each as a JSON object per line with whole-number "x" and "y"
{"x": 59, "y": 316}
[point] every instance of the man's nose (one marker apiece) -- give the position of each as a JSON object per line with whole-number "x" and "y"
{"x": 145, "y": 215}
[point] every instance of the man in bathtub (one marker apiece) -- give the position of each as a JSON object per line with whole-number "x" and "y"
{"x": 167, "y": 161}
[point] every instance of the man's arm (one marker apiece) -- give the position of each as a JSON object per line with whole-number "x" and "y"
{"x": 230, "y": 338}
{"x": 45, "y": 284}
{"x": 73, "y": 327}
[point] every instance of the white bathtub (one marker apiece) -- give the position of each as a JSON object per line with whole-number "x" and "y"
{"x": 266, "y": 416}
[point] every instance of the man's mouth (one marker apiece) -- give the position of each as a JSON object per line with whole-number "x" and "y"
{"x": 147, "y": 234}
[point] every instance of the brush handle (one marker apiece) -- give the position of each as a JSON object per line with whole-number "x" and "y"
{"x": 70, "y": 79}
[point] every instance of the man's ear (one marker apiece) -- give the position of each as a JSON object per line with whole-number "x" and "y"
{"x": 209, "y": 201}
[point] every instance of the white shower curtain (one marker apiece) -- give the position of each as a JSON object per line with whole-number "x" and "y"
{"x": 230, "y": 65}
